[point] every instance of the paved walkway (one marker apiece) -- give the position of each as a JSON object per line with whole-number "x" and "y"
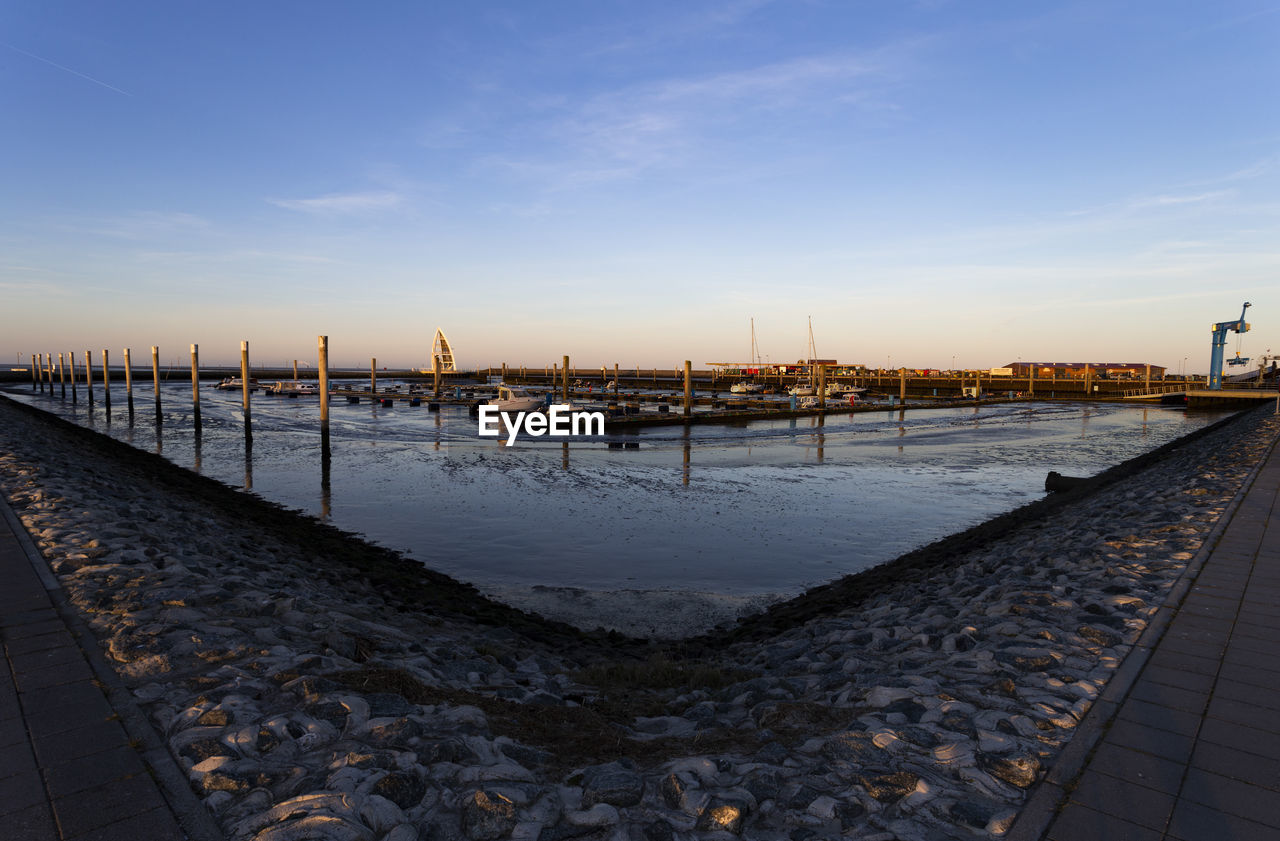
{"x": 1188, "y": 745}
{"x": 77, "y": 758}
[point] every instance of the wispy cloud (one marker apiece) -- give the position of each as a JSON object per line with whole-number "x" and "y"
{"x": 1167, "y": 200}
{"x": 623, "y": 133}
{"x": 343, "y": 203}
{"x": 66, "y": 69}
{"x": 148, "y": 224}
{"x": 250, "y": 255}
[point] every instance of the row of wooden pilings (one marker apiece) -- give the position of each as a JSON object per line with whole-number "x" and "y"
{"x": 42, "y": 377}
{"x": 43, "y": 373}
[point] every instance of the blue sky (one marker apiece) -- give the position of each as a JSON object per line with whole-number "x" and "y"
{"x": 633, "y": 182}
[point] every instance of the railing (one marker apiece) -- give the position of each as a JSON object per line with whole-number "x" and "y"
{"x": 1154, "y": 391}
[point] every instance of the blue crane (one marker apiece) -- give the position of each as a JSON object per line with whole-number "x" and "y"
{"x": 1219, "y": 341}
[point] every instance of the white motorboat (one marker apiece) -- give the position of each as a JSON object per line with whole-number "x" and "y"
{"x": 516, "y": 399}
{"x": 842, "y": 390}
{"x": 745, "y": 387}
{"x": 230, "y": 383}
{"x": 801, "y": 391}
{"x": 294, "y": 388}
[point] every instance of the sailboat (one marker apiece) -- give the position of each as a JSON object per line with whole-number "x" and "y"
{"x": 809, "y": 390}
{"x": 745, "y": 386}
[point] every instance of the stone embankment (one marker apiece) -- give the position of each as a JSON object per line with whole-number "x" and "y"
{"x": 316, "y": 687}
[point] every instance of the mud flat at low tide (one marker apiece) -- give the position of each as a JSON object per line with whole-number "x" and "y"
{"x": 316, "y": 687}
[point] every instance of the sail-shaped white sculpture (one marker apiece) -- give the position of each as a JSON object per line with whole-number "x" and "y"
{"x": 443, "y": 351}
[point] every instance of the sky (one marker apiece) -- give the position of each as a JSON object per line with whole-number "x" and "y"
{"x": 935, "y": 184}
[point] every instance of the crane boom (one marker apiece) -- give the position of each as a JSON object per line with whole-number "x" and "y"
{"x": 1220, "y": 331}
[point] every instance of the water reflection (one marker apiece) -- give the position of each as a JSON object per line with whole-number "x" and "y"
{"x": 778, "y": 504}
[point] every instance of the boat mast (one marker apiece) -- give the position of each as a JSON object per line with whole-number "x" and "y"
{"x": 813, "y": 351}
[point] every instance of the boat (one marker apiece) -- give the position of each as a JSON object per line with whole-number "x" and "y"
{"x": 801, "y": 391}
{"x": 516, "y": 399}
{"x": 745, "y": 387}
{"x": 293, "y": 388}
{"x": 842, "y": 390}
{"x": 230, "y": 383}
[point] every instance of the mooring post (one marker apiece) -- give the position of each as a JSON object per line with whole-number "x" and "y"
{"x": 902, "y": 386}
{"x": 128, "y": 382}
{"x": 373, "y": 375}
{"x": 106, "y": 380}
{"x": 71, "y": 369}
{"x": 244, "y": 391}
{"x": 688, "y": 387}
{"x": 564, "y": 391}
{"x": 1088, "y": 381}
{"x": 1031, "y": 380}
{"x": 1147, "y": 383}
{"x": 34, "y": 381}
{"x": 195, "y": 387}
{"x": 155, "y": 377}
{"x": 617, "y": 383}
{"x": 504, "y": 368}
{"x": 88, "y": 375}
{"x": 822, "y": 387}
{"x": 435, "y": 371}
{"x": 295, "y": 370}
{"x": 322, "y": 343}
{"x": 62, "y": 376}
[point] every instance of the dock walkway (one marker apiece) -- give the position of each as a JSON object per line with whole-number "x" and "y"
{"x": 78, "y": 759}
{"x": 1185, "y": 742}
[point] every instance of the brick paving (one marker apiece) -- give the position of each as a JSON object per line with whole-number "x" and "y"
{"x": 1192, "y": 751}
{"x": 70, "y": 770}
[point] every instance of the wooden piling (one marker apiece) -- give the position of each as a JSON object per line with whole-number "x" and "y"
{"x": 88, "y": 375}
{"x": 564, "y": 391}
{"x": 902, "y": 386}
{"x": 373, "y": 375}
{"x": 822, "y": 387}
{"x": 155, "y": 377}
{"x": 688, "y": 387}
{"x": 436, "y": 362}
{"x": 106, "y": 380}
{"x": 1031, "y": 381}
{"x": 295, "y": 370}
{"x": 71, "y": 367}
{"x": 1088, "y": 381}
{"x": 35, "y": 382}
{"x": 504, "y": 368}
{"x": 323, "y": 369}
{"x": 1147, "y": 378}
{"x": 128, "y": 381}
{"x": 195, "y": 387}
{"x": 617, "y": 384}
{"x": 244, "y": 390}
{"x": 62, "y": 376}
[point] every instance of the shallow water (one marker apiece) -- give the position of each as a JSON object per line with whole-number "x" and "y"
{"x": 767, "y": 508}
